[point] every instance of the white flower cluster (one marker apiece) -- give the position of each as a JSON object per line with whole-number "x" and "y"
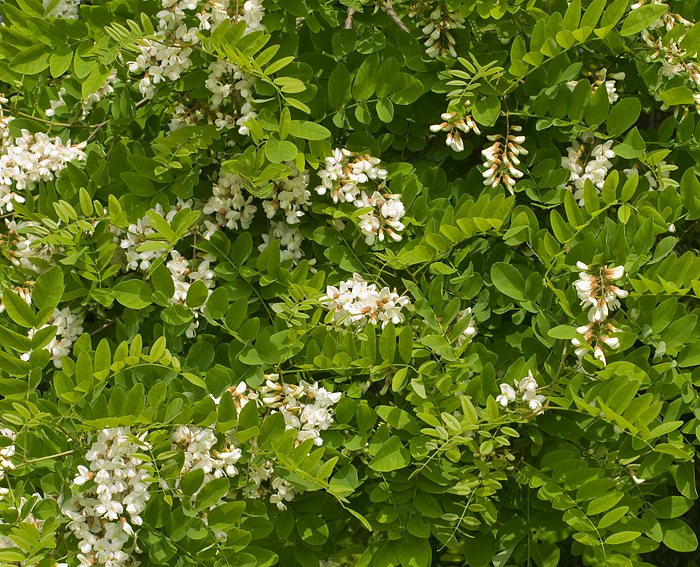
{"x": 69, "y": 326}
{"x": 436, "y": 27}
{"x": 343, "y": 176}
{"x": 603, "y": 79}
{"x": 6, "y": 454}
{"x": 356, "y": 302}
{"x": 290, "y": 238}
{"x": 307, "y": 408}
{"x": 603, "y": 296}
{"x": 29, "y": 159}
{"x": 66, "y": 9}
{"x": 388, "y": 210}
{"x": 664, "y": 38}
{"x": 501, "y": 159}
{"x": 598, "y": 290}
{"x": 103, "y": 515}
{"x": 282, "y": 490}
{"x": 527, "y": 392}
{"x": 230, "y": 206}
{"x": 593, "y": 166}
{"x": 24, "y": 245}
{"x": 291, "y": 197}
{"x": 453, "y": 124}
{"x": 224, "y": 79}
{"x": 197, "y": 443}
{"x": 183, "y": 274}
{"x": 167, "y": 55}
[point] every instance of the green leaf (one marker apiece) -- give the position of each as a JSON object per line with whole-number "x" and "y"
{"x": 309, "y": 130}
{"x": 691, "y": 41}
{"x": 197, "y": 294}
{"x": 48, "y": 289}
{"x": 672, "y": 506}
{"x": 508, "y": 280}
{"x": 487, "y": 110}
{"x": 623, "y": 115}
{"x": 339, "y": 87}
{"x": 596, "y": 112}
{"x": 363, "y": 86}
{"x": 392, "y": 455}
{"x": 678, "y": 536}
{"x": 622, "y": 537}
{"x": 134, "y": 294}
{"x": 18, "y": 309}
{"x": 677, "y": 95}
{"x": 212, "y": 493}
{"x": 415, "y": 552}
{"x": 641, "y": 18}
{"x": 277, "y": 151}
{"x": 387, "y": 343}
{"x": 385, "y": 109}
{"x": 32, "y": 60}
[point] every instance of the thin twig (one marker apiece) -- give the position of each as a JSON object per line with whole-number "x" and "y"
{"x": 389, "y": 9}
{"x": 348, "y": 20}
{"x": 103, "y": 327}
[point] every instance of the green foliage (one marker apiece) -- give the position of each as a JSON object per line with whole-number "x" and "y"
{"x": 171, "y": 279}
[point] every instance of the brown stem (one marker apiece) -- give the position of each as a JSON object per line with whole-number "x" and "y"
{"x": 389, "y": 9}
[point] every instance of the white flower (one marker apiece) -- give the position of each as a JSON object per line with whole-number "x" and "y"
{"x": 598, "y": 291}
{"x": 355, "y": 301}
{"x": 507, "y": 395}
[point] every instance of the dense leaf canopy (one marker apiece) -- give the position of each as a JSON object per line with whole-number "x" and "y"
{"x": 307, "y": 282}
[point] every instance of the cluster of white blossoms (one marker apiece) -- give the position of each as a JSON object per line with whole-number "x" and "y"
{"x": 307, "y": 408}
{"x": 106, "y": 513}
{"x": 69, "y": 326}
{"x": 291, "y": 197}
{"x": 452, "y": 124}
{"x": 7, "y": 451}
{"x": 24, "y": 247}
{"x": 526, "y": 392}
{"x": 198, "y": 443}
{"x": 436, "y": 27}
{"x": 229, "y": 205}
{"x": 344, "y": 176}
{"x": 168, "y": 55}
{"x": 345, "y": 172}
{"x": 31, "y": 158}
{"x": 290, "y": 238}
{"x": 66, "y": 9}
{"x": 384, "y": 218}
{"x": 587, "y": 161}
{"x": 664, "y": 37}
{"x": 598, "y": 292}
{"x": 501, "y": 158}
{"x": 356, "y": 302}
{"x": 184, "y": 274}
{"x": 281, "y": 490}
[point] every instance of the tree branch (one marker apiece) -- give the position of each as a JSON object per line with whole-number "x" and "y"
{"x": 389, "y": 9}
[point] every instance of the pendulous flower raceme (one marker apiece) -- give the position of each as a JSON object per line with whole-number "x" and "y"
{"x": 453, "y": 125}
{"x": 197, "y": 444}
{"x": 501, "y": 159}
{"x": 598, "y": 290}
{"x": 596, "y": 334}
{"x": 113, "y": 491}
{"x": 345, "y": 171}
{"x": 587, "y": 161}
{"x": 526, "y": 393}
{"x": 355, "y": 301}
